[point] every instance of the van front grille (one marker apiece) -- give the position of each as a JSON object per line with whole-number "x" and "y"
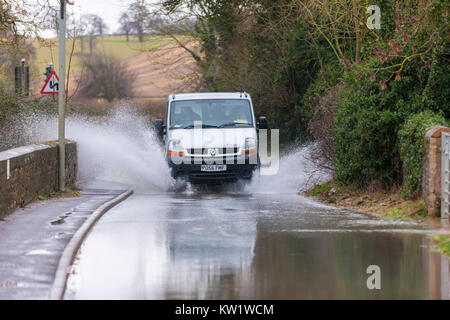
{"x": 206, "y": 151}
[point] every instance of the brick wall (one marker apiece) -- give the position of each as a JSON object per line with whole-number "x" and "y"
{"x": 431, "y": 178}
{"x": 33, "y": 171}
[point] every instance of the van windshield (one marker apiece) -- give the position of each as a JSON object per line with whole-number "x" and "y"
{"x": 214, "y": 113}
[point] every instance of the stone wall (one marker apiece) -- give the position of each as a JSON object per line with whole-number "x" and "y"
{"x": 27, "y": 172}
{"x": 431, "y": 178}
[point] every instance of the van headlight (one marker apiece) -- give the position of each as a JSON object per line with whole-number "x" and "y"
{"x": 175, "y": 148}
{"x": 250, "y": 146}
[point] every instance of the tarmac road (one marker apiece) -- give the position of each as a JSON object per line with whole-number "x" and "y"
{"x": 252, "y": 245}
{"x": 32, "y": 240}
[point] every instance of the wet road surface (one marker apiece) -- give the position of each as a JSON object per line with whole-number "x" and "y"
{"x": 252, "y": 245}
{"x": 33, "y": 238}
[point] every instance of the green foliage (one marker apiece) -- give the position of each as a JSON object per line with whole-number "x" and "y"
{"x": 12, "y": 105}
{"x": 443, "y": 243}
{"x": 314, "y": 64}
{"x": 395, "y": 214}
{"x": 407, "y": 211}
{"x": 411, "y": 140}
{"x": 12, "y": 108}
{"x": 436, "y": 95}
{"x": 9, "y": 105}
{"x": 365, "y": 135}
{"x": 321, "y": 189}
{"x": 326, "y": 79}
{"x": 382, "y": 119}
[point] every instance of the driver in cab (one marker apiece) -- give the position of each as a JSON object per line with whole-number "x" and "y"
{"x": 187, "y": 115}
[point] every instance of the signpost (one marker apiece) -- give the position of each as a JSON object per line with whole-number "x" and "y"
{"x": 61, "y": 96}
{"x": 51, "y": 85}
{"x": 22, "y": 79}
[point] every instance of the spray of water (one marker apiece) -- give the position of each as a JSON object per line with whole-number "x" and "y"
{"x": 120, "y": 148}
{"x": 123, "y": 147}
{"x": 296, "y": 173}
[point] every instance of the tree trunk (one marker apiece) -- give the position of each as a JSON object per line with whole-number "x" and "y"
{"x": 91, "y": 45}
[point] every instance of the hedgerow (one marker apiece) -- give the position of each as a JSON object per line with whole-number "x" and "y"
{"x": 411, "y": 148}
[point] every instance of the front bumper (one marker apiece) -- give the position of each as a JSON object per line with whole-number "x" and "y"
{"x": 192, "y": 172}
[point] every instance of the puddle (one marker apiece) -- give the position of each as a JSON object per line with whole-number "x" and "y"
{"x": 59, "y": 221}
{"x": 60, "y": 235}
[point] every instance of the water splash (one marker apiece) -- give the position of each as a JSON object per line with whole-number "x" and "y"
{"x": 121, "y": 147}
{"x": 296, "y": 173}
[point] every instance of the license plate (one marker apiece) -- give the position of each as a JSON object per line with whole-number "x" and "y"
{"x": 214, "y": 168}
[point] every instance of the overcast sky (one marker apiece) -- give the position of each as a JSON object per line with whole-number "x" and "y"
{"x": 109, "y": 10}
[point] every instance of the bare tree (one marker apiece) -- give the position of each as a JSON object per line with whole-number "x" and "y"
{"x": 126, "y": 25}
{"x": 102, "y": 28}
{"x": 94, "y": 26}
{"x": 19, "y": 20}
{"x": 106, "y": 78}
{"x": 83, "y": 26}
{"x": 139, "y": 13}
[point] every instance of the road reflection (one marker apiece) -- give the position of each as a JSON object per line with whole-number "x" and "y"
{"x": 252, "y": 246}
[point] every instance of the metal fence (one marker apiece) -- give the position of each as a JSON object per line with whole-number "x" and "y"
{"x": 445, "y": 175}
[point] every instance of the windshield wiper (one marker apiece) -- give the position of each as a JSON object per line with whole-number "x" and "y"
{"x": 232, "y": 124}
{"x": 191, "y": 126}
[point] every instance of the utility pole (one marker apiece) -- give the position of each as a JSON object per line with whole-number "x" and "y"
{"x": 61, "y": 97}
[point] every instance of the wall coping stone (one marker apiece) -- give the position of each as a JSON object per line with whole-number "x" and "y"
{"x": 20, "y": 151}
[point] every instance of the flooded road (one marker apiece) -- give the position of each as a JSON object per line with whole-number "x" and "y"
{"x": 252, "y": 245}
{"x": 264, "y": 243}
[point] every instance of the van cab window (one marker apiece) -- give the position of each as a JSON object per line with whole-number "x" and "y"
{"x": 230, "y": 113}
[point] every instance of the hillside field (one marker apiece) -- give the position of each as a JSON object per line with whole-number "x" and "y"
{"x": 158, "y": 64}
{"x": 115, "y": 46}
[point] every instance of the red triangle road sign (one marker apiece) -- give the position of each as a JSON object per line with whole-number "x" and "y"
{"x": 51, "y": 86}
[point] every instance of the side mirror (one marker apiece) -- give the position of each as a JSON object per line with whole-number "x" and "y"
{"x": 262, "y": 123}
{"x": 159, "y": 127}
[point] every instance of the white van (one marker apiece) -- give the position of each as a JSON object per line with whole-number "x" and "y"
{"x": 211, "y": 137}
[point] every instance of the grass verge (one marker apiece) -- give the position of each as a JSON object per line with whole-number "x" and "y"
{"x": 443, "y": 243}
{"x": 387, "y": 204}
{"x": 69, "y": 193}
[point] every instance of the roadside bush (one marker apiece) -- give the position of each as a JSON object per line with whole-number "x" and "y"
{"x": 105, "y": 78}
{"x": 443, "y": 243}
{"x": 321, "y": 103}
{"x": 9, "y": 106}
{"x": 369, "y": 147}
{"x": 14, "y": 108}
{"x": 411, "y": 146}
{"x": 365, "y": 136}
{"x": 436, "y": 95}
{"x": 12, "y": 105}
